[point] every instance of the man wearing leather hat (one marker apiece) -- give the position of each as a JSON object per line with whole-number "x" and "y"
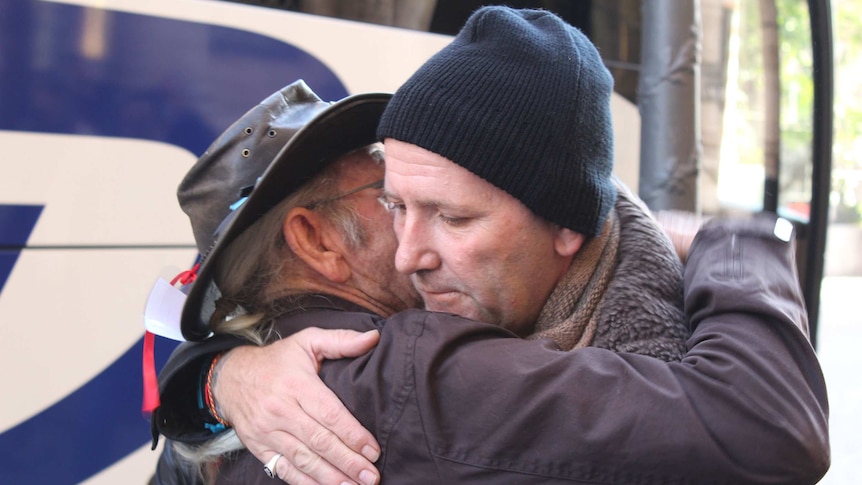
{"x": 284, "y": 210}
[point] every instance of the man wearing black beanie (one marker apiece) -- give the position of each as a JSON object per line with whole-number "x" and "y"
{"x": 516, "y": 109}
{"x": 499, "y": 178}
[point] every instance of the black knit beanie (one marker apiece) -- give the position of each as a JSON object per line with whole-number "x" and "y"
{"x": 521, "y": 99}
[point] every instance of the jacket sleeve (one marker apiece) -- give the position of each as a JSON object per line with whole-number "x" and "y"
{"x": 747, "y": 404}
{"x": 180, "y": 416}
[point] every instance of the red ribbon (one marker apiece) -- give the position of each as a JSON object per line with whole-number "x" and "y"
{"x": 151, "y": 381}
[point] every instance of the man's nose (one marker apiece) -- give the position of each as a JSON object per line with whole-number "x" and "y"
{"x": 416, "y": 250}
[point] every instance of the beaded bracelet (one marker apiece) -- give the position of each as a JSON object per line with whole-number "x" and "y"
{"x": 208, "y": 393}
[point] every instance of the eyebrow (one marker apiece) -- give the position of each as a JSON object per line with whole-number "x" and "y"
{"x": 387, "y": 194}
{"x": 435, "y": 204}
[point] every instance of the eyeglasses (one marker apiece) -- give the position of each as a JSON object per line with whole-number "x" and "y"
{"x": 378, "y": 184}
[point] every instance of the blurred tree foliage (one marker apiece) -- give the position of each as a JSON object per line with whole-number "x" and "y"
{"x": 847, "y": 150}
{"x": 797, "y": 98}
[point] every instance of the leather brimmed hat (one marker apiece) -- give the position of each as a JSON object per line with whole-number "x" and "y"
{"x": 260, "y": 160}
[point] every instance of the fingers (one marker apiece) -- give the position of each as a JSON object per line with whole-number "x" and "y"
{"x": 284, "y": 470}
{"x": 334, "y": 435}
{"x": 306, "y": 463}
{"x": 302, "y": 466}
{"x": 270, "y": 467}
{"x": 315, "y": 454}
{"x": 278, "y": 404}
{"x": 333, "y": 432}
{"x": 278, "y": 467}
{"x": 336, "y": 344}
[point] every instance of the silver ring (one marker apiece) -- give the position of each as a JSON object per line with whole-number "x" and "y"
{"x": 269, "y": 468}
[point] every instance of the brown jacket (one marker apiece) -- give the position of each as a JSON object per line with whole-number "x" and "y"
{"x": 747, "y": 404}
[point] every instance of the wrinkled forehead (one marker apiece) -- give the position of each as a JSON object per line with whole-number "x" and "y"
{"x": 423, "y": 180}
{"x": 418, "y": 176}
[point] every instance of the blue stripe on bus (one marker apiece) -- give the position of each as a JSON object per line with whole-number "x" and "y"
{"x": 16, "y": 224}
{"x": 85, "y": 432}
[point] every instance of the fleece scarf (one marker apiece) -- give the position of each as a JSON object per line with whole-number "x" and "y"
{"x": 623, "y": 291}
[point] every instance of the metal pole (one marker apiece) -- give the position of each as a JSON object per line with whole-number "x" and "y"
{"x": 772, "y": 105}
{"x": 815, "y": 250}
{"x": 669, "y": 104}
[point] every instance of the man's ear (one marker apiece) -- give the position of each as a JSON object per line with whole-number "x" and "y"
{"x": 568, "y": 242}
{"x": 316, "y": 244}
